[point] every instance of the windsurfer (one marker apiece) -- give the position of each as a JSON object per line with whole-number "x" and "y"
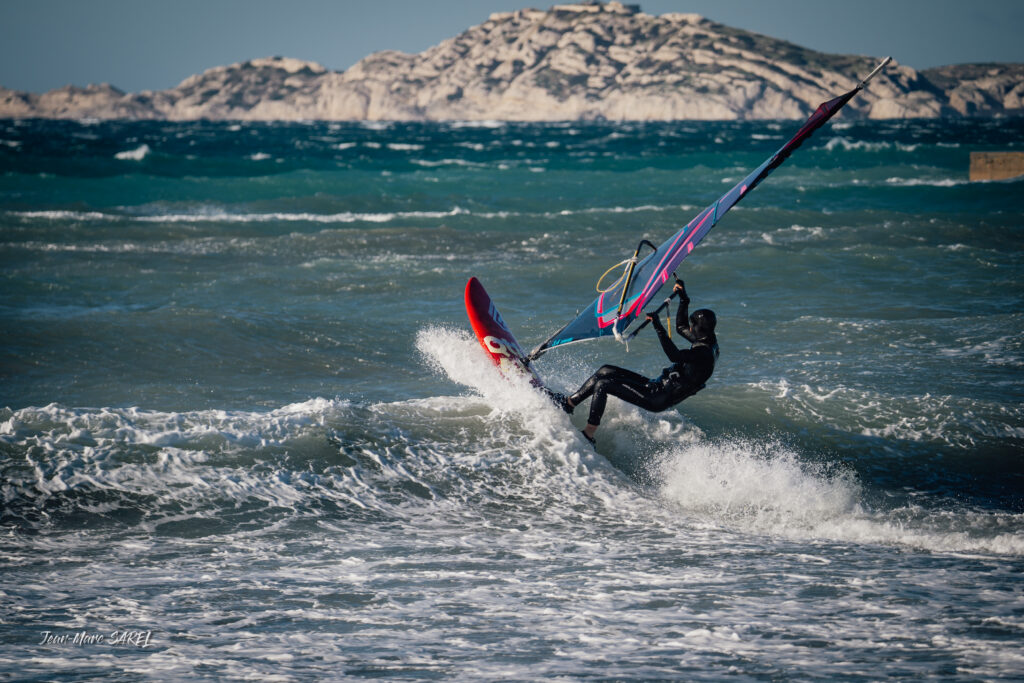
{"x": 689, "y": 370}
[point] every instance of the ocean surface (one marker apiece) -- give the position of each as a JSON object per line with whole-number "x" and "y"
{"x": 245, "y": 431}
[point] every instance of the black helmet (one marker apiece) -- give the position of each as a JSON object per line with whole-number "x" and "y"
{"x": 702, "y": 322}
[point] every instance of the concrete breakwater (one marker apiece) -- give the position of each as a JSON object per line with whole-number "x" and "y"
{"x": 996, "y": 165}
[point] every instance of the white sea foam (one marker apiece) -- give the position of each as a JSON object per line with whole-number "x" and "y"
{"x": 1004, "y": 351}
{"x": 766, "y": 488}
{"x": 620, "y": 209}
{"x": 428, "y": 524}
{"x": 458, "y": 356}
{"x": 541, "y": 426}
{"x": 926, "y": 182}
{"x": 166, "y": 455}
{"x": 448, "y": 162}
{"x": 223, "y": 215}
{"x": 942, "y": 420}
{"x": 65, "y": 215}
{"x": 756, "y": 487}
{"x": 342, "y": 217}
{"x": 763, "y": 483}
{"x": 848, "y": 145}
{"x": 137, "y": 154}
{"x": 792, "y": 234}
{"x": 190, "y": 464}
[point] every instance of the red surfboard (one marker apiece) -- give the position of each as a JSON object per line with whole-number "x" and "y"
{"x": 494, "y": 335}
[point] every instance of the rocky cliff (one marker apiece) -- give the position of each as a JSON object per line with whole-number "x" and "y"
{"x": 589, "y": 61}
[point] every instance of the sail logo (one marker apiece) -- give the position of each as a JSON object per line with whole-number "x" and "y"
{"x": 497, "y": 346}
{"x": 506, "y": 359}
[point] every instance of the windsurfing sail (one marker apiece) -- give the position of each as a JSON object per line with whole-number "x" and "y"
{"x": 621, "y": 304}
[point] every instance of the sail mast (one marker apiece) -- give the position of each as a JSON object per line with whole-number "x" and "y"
{"x": 616, "y": 308}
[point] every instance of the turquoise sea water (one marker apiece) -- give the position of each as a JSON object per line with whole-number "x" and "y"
{"x": 241, "y": 410}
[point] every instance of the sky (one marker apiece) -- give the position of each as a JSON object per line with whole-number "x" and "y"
{"x": 153, "y": 45}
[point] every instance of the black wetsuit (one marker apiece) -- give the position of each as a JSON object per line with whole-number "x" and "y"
{"x": 690, "y": 369}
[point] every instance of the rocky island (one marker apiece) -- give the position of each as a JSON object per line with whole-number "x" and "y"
{"x": 593, "y": 61}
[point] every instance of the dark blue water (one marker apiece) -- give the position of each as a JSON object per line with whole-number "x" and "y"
{"x": 241, "y": 410}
